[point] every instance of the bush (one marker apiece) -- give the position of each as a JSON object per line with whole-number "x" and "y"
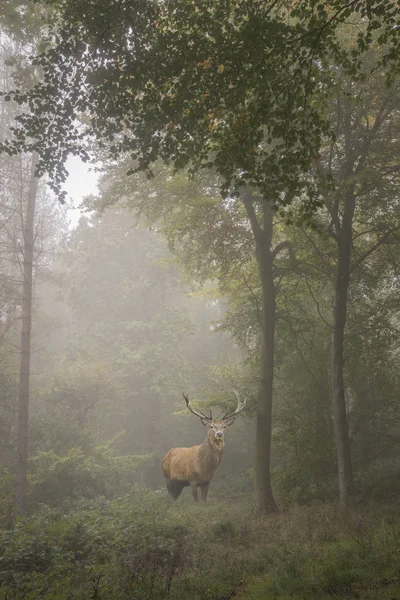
{"x": 80, "y": 473}
{"x": 144, "y": 547}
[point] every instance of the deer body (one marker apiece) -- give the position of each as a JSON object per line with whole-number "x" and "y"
{"x": 196, "y": 466}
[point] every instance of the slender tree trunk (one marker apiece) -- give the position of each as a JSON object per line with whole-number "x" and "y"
{"x": 345, "y": 472}
{"x": 262, "y": 466}
{"x": 265, "y": 498}
{"x": 24, "y": 376}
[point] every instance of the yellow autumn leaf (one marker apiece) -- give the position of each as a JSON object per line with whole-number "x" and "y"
{"x": 206, "y": 64}
{"x": 220, "y": 68}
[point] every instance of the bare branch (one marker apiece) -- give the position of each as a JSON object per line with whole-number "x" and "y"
{"x": 281, "y": 246}
{"x": 380, "y": 117}
{"x": 255, "y": 299}
{"x": 379, "y": 243}
{"x": 316, "y": 303}
{"x": 318, "y": 251}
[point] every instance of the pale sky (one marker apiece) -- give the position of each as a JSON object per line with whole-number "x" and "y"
{"x": 82, "y": 181}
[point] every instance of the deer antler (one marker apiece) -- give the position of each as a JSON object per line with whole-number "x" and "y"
{"x": 195, "y": 412}
{"x": 239, "y": 408}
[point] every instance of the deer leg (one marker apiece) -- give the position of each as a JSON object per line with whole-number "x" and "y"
{"x": 170, "y": 488}
{"x": 204, "y": 491}
{"x": 174, "y": 488}
{"x": 194, "y": 492}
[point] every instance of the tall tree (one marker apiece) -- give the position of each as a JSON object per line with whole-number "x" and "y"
{"x": 22, "y": 240}
{"x": 361, "y": 169}
{"x": 24, "y": 377}
{"x": 20, "y": 186}
{"x": 263, "y": 240}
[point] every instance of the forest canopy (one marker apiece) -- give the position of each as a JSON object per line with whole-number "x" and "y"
{"x": 238, "y": 86}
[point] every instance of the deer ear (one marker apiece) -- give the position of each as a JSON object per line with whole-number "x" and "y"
{"x": 230, "y": 421}
{"x": 204, "y": 421}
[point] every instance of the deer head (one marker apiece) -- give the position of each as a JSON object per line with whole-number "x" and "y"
{"x": 216, "y": 427}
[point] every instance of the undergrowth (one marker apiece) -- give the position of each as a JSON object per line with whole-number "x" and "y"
{"x": 142, "y": 547}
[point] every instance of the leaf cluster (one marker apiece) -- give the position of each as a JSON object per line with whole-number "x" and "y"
{"x": 239, "y": 86}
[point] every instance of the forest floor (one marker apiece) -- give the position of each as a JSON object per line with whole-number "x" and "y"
{"x": 143, "y": 547}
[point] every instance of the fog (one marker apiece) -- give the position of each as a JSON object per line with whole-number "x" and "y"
{"x": 119, "y": 339}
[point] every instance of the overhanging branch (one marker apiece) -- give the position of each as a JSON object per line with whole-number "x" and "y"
{"x": 379, "y": 243}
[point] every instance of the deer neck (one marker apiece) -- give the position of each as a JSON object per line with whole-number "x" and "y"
{"x": 211, "y": 450}
{"x": 208, "y": 458}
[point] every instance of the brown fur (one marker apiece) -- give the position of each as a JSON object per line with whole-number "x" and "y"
{"x": 194, "y": 466}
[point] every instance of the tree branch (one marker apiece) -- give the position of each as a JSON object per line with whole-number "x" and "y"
{"x": 380, "y": 117}
{"x": 379, "y": 243}
{"x": 318, "y": 251}
{"x": 255, "y": 300}
{"x": 317, "y": 304}
{"x": 281, "y": 246}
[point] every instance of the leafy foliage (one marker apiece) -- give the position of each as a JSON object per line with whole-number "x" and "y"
{"x": 167, "y": 81}
{"x": 81, "y": 473}
{"x": 134, "y": 546}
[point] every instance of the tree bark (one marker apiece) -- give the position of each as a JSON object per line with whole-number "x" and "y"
{"x": 344, "y": 240}
{"x": 262, "y": 464}
{"x": 24, "y": 376}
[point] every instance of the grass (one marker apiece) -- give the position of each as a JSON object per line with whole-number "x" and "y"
{"x": 143, "y": 547}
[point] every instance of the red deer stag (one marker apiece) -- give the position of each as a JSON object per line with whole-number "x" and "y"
{"x": 196, "y": 466}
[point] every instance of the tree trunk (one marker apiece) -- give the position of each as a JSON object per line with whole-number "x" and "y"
{"x": 262, "y": 465}
{"x": 345, "y": 472}
{"x": 23, "y": 396}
